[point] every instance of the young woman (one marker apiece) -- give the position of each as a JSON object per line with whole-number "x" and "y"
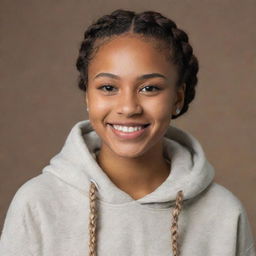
{"x": 126, "y": 182}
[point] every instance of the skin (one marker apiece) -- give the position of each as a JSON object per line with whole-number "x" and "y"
{"x": 136, "y": 166}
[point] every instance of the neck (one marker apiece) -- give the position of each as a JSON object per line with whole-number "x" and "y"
{"x": 136, "y": 176}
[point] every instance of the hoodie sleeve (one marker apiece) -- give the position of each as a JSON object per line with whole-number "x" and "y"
{"x": 245, "y": 241}
{"x": 19, "y": 229}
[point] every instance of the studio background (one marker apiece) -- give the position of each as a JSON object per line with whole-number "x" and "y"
{"x": 40, "y": 100}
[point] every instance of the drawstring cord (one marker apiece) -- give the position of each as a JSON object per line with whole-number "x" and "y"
{"x": 93, "y": 221}
{"x": 174, "y": 228}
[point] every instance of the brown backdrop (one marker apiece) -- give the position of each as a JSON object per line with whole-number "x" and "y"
{"x": 40, "y": 100}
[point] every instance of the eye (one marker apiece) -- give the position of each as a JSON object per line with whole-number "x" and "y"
{"x": 106, "y": 88}
{"x": 151, "y": 87}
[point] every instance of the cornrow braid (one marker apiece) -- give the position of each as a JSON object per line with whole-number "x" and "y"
{"x": 147, "y": 24}
{"x": 189, "y": 70}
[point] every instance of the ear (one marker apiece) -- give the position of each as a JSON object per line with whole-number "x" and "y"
{"x": 180, "y": 97}
{"x": 86, "y": 98}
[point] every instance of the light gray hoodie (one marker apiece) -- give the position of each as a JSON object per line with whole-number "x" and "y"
{"x": 49, "y": 214}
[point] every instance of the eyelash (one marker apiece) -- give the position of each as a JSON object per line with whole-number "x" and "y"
{"x": 149, "y": 86}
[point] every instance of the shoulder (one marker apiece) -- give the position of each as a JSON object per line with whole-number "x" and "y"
{"x": 34, "y": 190}
{"x": 224, "y": 193}
{"x": 219, "y": 198}
{"x": 228, "y": 210}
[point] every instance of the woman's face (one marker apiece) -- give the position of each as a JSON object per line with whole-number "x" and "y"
{"x": 120, "y": 90}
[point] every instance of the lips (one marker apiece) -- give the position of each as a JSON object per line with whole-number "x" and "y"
{"x": 128, "y": 135}
{"x": 130, "y": 124}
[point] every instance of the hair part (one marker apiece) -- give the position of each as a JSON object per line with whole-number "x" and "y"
{"x": 148, "y": 25}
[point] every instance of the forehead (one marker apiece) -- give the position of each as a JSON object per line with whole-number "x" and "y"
{"x": 157, "y": 44}
{"x": 130, "y": 53}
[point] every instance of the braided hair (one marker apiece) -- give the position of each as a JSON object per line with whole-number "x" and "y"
{"x": 148, "y": 24}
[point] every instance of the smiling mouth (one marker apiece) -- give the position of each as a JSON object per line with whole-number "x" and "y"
{"x": 128, "y": 132}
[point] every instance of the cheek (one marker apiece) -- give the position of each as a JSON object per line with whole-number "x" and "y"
{"x": 97, "y": 104}
{"x": 100, "y": 106}
{"x": 160, "y": 107}
{"x": 98, "y": 110}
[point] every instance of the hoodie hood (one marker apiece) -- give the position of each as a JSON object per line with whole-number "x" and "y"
{"x": 190, "y": 174}
{"x": 76, "y": 165}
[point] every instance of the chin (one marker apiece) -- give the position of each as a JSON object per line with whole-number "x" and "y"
{"x": 127, "y": 151}
{"x": 129, "y": 154}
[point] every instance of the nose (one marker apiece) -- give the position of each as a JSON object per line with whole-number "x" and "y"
{"x": 128, "y": 104}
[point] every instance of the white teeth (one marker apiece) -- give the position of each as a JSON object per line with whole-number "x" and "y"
{"x": 126, "y": 128}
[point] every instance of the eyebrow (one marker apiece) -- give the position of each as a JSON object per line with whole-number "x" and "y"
{"x": 143, "y": 77}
